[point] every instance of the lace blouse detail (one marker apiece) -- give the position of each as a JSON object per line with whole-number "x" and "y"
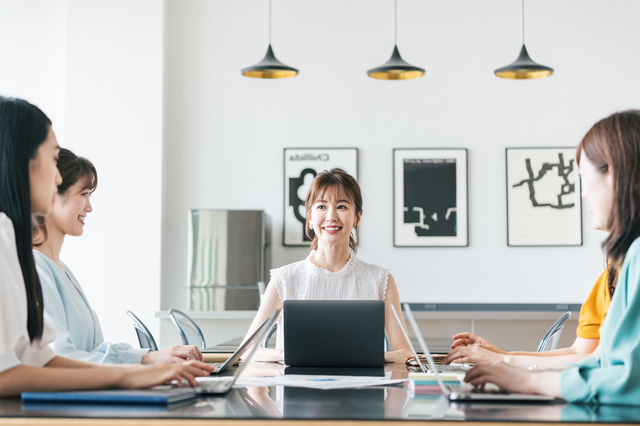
{"x": 303, "y": 280}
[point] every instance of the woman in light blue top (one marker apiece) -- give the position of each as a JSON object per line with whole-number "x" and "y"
{"x": 78, "y": 332}
{"x": 609, "y": 159}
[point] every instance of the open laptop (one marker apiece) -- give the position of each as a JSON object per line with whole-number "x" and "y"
{"x": 333, "y": 333}
{"x": 466, "y": 393}
{"x": 222, "y": 366}
{"x": 215, "y": 384}
{"x": 440, "y": 367}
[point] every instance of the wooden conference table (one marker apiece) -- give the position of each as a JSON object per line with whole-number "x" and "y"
{"x": 298, "y": 406}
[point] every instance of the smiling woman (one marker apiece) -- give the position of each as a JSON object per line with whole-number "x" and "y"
{"x": 67, "y": 309}
{"x": 332, "y": 271}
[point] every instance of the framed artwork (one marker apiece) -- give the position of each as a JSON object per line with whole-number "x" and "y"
{"x": 301, "y": 165}
{"x": 430, "y": 198}
{"x": 544, "y": 207}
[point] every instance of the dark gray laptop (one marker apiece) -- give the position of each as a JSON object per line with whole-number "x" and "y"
{"x": 333, "y": 333}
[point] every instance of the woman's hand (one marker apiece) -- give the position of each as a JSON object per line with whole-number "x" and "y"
{"x": 143, "y": 376}
{"x": 516, "y": 379}
{"x": 473, "y": 354}
{"x": 268, "y": 355}
{"x": 173, "y": 355}
{"x": 469, "y": 339}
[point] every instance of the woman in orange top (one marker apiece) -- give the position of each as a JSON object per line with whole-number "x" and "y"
{"x": 471, "y": 348}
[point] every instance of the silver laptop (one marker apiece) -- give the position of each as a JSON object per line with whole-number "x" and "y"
{"x": 440, "y": 367}
{"x": 465, "y": 393}
{"x": 214, "y": 384}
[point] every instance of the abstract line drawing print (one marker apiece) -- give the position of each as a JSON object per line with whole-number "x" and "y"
{"x": 430, "y": 196}
{"x": 563, "y": 171}
{"x": 543, "y": 197}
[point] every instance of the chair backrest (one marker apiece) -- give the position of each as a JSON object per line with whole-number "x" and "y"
{"x": 265, "y": 344}
{"x": 145, "y": 338}
{"x": 550, "y": 340}
{"x": 189, "y": 331}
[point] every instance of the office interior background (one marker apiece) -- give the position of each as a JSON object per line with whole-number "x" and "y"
{"x": 151, "y": 92}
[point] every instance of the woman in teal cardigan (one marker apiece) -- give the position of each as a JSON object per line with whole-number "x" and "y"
{"x": 609, "y": 160}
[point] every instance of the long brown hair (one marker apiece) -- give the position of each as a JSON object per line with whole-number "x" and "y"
{"x": 613, "y": 144}
{"x": 72, "y": 169}
{"x": 345, "y": 184}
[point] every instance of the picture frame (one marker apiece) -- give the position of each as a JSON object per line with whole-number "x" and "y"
{"x": 301, "y": 165}
{"x": 430, "y": 197}
{"x": 544, "y": 206}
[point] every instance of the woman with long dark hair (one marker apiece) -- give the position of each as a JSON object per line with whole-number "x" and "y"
{"x": 609, "y": 160}
{"x": 67, "y": 309}
{"x": 28, "y": 183}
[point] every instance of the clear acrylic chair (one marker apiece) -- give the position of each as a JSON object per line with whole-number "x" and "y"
{"x": 189, "y": 331}
{"x": 145, "y": 338}
{"x": 550, "y": 340}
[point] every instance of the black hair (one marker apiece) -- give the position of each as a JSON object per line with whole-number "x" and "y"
{"x": 72, "y": 169}
{"x": 23, "y": 128}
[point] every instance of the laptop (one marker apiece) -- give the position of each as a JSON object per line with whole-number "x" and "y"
{"x": 466, "y": 393}
{"x": 215, "y": 384}
{"x": 440, "y": 367}
{"x": 333, "y": 333}
{"x": 233, "y": 359}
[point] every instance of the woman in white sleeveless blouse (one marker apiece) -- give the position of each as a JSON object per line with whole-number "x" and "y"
{"x": 332, "y": 271}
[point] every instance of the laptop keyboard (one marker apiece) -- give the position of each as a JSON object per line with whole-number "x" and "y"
{"x": 467, "y": 389}
{"x": 445, "y": 367}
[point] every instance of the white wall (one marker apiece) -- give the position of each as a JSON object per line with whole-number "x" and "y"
{"x": 33, "y": 51}
{"x": 114, "y": 117}
{"x": 95, "y": 68}
{"x": 225, "y": 132}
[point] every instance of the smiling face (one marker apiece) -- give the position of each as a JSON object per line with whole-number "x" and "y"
{"x": 70, "y": 210}
{"x": 333, "y": 218}
{"x": 44, "y": 176}
{"x": 597, "y": 188}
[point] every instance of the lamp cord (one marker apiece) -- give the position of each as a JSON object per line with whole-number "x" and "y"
{"x": 395, "y": 39}
{"x": 522, "y": 22}
{"x": 269, "y": 22}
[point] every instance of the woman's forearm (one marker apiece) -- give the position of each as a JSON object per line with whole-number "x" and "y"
{"x": 557, "y": 352}
{"x": 25, "y": 378}
{"x": 63, "y": 362}
{"x": 555, "y": 362}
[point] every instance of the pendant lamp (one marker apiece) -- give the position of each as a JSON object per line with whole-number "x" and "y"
{"x": 269, "y": 66}
{"x": 396, "y": 68}
{"x": 524, "y": 68}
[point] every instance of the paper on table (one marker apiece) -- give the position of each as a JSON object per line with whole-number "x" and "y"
{"x": 317, "y": 382}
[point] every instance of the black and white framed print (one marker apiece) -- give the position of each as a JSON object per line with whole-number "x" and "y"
{"x": 430, "y": 198}
{"x": 301, "y": 165}
{"x": 544, "y": 207}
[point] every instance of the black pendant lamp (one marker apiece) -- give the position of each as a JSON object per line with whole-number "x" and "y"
{"x": 269, "y": 66}
{"x": 524, "y": 68}
{"x": 396, "y": 68}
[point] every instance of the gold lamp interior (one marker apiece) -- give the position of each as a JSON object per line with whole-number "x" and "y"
{"x": 395, "y": 74}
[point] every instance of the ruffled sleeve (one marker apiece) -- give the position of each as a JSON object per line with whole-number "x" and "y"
{"x": 383, "y": 281}
{"x": 276, "y": 278}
